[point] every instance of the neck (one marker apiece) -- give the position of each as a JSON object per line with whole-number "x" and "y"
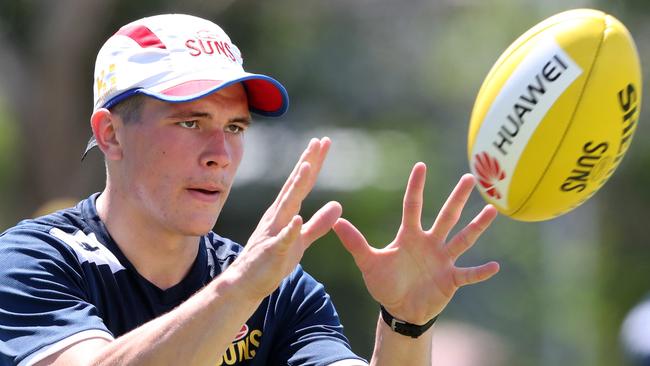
{"x": 162, "y": 257}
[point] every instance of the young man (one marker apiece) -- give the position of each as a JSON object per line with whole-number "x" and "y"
{"x": 134, "y": 275}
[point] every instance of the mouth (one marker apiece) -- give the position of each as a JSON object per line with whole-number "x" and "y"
{"x": 205, "y": 194}
{"x": 205, "y": 191}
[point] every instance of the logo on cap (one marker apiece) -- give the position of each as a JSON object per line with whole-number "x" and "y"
{"x": 106, "y": 81}
{"x": 208, "y": 43}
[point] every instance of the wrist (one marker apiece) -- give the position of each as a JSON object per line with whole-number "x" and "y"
{"x": 231, "y": 287}
{"x": 403, "y": 327}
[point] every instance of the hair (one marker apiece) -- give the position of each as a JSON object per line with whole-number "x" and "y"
{"x": 130, "y": 109}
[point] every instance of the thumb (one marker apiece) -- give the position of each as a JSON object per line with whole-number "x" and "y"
{"x": 321, "y": 222}
{"x": 353, "y": 241}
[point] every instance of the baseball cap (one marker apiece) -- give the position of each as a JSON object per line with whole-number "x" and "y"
{"x": 177, "y": 58}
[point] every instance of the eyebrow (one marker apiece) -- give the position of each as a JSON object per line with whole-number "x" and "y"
{"x": 197, "y": 114}
{"x": 189, "y": 114}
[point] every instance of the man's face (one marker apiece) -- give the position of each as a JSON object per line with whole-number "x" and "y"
{"x": 179, "y": 160}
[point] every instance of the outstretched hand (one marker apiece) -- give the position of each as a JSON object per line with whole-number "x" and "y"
{"x": 415, "y": 276}
{"x": 280, "y": 239}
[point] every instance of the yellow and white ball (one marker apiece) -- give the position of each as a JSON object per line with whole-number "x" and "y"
{"x": 555, "y": 115}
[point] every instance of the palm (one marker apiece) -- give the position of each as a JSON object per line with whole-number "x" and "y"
{"x": 396, "y": 274}
{"x": 279, "y": 241}
{"x": 415, "y": 276}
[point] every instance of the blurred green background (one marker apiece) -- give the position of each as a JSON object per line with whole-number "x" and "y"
{"x": 392, "y": 83}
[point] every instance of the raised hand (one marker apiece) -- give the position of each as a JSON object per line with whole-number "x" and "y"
{"x": 415, "y": 276}
{"x": 280, "y": 239}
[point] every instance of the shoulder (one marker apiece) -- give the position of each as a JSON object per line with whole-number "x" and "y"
{"x": 45, "y": 282}
{"x": 63, "y": 235}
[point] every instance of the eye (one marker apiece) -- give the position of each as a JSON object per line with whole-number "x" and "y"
{"x": 189, "y": 124}
{"x": 235, "y": 128}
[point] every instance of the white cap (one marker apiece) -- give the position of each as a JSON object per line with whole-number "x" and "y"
{"x": 178, "y": 58}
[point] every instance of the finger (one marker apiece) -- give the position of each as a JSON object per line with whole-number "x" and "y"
{"x": 314, "y": 154}
{"x": 271, "y": 212}
{"x": 314, "y": 144}
{"x": 321, "y": 222}
{"x": 471, "y": 275}
{"x": 466, "y": 238}
{"x": 353, "y": 241}
{"x": 413, "y": 197}
{"x": 318, "y": 159}
{"x": 453, "y": 207}
{"x": 292, "y": 200}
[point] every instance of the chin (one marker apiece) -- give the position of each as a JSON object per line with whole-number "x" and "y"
{"x": 197, "y": 227}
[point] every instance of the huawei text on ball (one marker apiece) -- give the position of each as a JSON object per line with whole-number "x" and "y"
{"x": 550, "y": 72}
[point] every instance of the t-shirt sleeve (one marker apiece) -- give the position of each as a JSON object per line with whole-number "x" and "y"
{"x": 312, "y": 334}
{"x": 43, "y": 299}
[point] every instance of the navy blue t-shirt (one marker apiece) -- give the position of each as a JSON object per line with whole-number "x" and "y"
{"x": 63, "y": 279}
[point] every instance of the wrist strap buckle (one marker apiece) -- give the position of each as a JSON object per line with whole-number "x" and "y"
{"x": 405, "y": 328}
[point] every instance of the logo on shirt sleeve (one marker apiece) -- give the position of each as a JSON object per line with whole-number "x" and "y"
{"x": 88, "y": 249}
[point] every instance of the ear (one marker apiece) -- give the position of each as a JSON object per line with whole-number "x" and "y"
{"x": 105, "y": 125}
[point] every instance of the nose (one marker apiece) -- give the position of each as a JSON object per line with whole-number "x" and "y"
{"x": 216, "y": 151}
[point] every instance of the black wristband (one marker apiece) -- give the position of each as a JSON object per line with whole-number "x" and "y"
{"x": 404, "y": 328}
